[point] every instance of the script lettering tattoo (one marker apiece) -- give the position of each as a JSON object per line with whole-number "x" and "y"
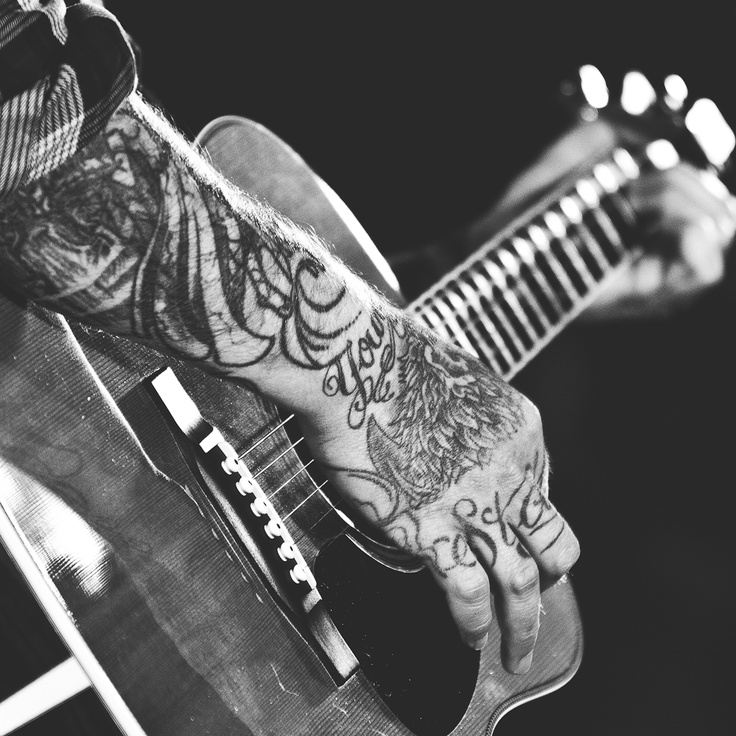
{"x": 363, "y": 370}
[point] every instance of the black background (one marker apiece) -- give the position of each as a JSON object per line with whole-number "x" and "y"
{"x": 417, "y": 114}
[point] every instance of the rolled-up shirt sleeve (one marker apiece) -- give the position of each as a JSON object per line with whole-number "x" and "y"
{"x": 64, "y": 70}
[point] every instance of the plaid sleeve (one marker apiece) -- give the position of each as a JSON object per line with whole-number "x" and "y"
{"x": 63, "y": 71}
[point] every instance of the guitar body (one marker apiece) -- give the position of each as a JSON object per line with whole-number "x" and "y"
{"x": 142, "y": 541}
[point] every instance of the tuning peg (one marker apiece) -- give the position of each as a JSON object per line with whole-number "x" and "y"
{"x": 713, "y": 134}
{"x": 675, "y": 92}
{"x": 637, "y": 93}
{"x": 586, "y": 93}
{"x": 698, "y": 130}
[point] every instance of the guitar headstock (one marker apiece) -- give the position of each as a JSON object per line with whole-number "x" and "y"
{"x": 695, "y": 127}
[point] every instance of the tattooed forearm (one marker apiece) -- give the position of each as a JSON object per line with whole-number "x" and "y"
{"x": 127, "y": 237}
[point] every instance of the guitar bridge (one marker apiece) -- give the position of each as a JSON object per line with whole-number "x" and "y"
{"x": 256, "y": 523}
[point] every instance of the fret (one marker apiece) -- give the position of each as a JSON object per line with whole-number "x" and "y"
{"x": 559, "y": 231}
{"x": 490, "y": 300}
{"x": 619, "y": 209}
{"x": 626, "y": 163}
{"x": 573, "y": 213}
{"x": 624, "y": 169}
{"x": 587, "y": 241}
{"x": 499, "y": 280}
{"x": 619, "y": 201}
{"x": 534, "y": 310}
{"x": 456, "y": 333}
{"x": 509, "y": 296}
{"x": 544, "y": 246}
{"x": 433, "y": 321}
{"x": 528, "y": 257}
{"x": 428, "y": 313}
{"x": 484, "y": 328}
{"x": 612, "y": 178}
{"x": 606, "y": 177}
{"x": 590, "y": 194}
{"x": 438, "y": 323}
{"x": 497, "y": 340}
{"x": 614, "y": 203}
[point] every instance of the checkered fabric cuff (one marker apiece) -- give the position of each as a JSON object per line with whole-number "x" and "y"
{"x": 64, "y": 70}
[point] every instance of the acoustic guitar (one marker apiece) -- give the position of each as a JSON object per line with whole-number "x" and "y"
{"x": 204, "y": 576}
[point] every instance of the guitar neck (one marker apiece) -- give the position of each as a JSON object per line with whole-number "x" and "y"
{"x": 516, "y": 292}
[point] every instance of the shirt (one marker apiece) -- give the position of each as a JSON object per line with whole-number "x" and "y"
{"x": 64, "y": 69}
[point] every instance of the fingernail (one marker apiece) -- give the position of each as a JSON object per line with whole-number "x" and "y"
{"x": 479, "y": 643}
{"x": 525, "y": 664}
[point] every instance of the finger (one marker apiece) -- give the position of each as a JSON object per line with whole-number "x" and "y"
{"x": 517, "y": 602}
{"x": 684, "y": 192}
{"x": 698, "y": 224}
{"x": 545, "y": 534}
{"x": 468, "y": 593}
{"x": 548, "y": 539}
{"x": 701, "y": 246}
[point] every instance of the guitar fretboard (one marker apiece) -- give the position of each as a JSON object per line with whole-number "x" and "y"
{"x": 524, "y": 286}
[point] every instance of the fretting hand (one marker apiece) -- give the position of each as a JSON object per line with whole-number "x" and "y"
{"x": 688, "y": 220}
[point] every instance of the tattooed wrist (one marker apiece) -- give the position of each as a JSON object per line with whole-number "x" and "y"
{"x": 135, "y": 235}
{"x": 365, "y": 371}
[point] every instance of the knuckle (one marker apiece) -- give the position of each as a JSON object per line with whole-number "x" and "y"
{"x": 470, "y": 601}
{"x": 473, "y": 588}
{"x": 524, "y": 582}
{"x": 532, "y": 422}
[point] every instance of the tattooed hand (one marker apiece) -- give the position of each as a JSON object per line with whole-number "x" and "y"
{"x": 138, "y": 236}
{"x": 449, "y": 462}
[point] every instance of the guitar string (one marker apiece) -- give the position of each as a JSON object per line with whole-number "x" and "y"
{"x": 292, "y": 445}
{"x": 265, "y": 437}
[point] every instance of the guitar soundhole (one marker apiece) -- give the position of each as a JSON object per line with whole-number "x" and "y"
{"x": 399, "y": 627}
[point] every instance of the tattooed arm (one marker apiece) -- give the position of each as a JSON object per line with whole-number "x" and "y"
{"x": 137, "y": 235}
